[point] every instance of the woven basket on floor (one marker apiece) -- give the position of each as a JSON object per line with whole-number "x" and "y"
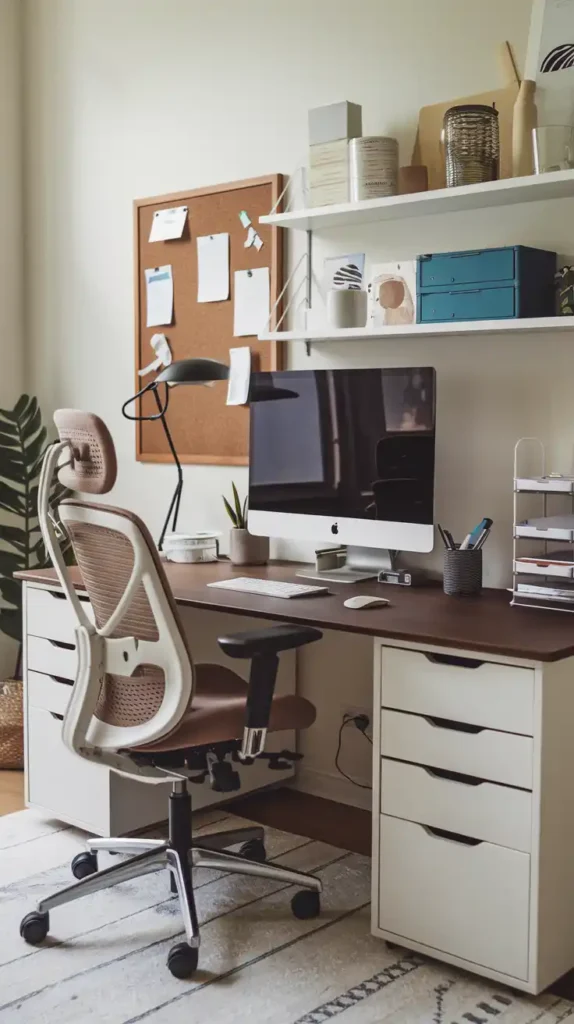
{"x": 11, "y": 724}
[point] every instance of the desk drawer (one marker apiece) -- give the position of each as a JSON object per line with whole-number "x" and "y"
{"x": 474, "y": 808}
{"x": 51, "y": 657}
{"x": 468, "y": 304}
{"x": 497, "y": 756}
{"x": 48, "y": 692}
{"x": 461, "y": 268}
{"x": 464, "y": 689}
{"x": 49, "y": 614}
{"x": 468, "y": 900}
{"x": 59, "y": 781}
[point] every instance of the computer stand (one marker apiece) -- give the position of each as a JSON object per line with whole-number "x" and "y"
{"x": 349, "y": 564}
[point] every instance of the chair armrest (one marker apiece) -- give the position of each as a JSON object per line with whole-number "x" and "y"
{"x": 267, "y": 641}
{"x": 263, "y": 646}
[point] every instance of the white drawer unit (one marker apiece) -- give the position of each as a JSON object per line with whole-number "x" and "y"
{"x": 455, "y": 895}
{"x": 457, "y": 803}
{"x": 466, "y": 689}
{"x": 442, "y": 743}
{"x": 51, "y": 693}
{"x": 473, "y": 810}
{"x": 88, "y": 795}
{"x": 51, "y": 657}
{"x": 76, "y": 790}
{"x": 49, "y": 614}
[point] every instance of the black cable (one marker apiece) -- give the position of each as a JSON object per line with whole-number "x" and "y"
{"x": 347, "y": 719}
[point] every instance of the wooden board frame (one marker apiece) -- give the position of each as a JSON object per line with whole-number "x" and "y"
{"x": 274, "y": 351}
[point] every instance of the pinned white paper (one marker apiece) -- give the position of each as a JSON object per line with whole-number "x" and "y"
{"x": 251, "y": 306}
{"x": 160, "y": 345}
{"x": 213, "y": 268}
{"x": 245, "y": 218}
{"x": 168, "y": 224}
{"x": 239, "y": 375}
{"x": 159, "y": 295}
{"x": 258, "y": 242}
{"x": 251, "y": 236}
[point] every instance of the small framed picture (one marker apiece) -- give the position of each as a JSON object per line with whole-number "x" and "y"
{"x": 392, "y": 294}
{"x": 550, "y": 60}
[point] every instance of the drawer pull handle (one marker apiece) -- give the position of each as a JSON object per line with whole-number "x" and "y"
{"x": 453, "y": 659}
{"x": 447, "y": 723}
{"x": 54, "y": 715}
{"x": 63, "y": 646}
{"x": 452, "y": 837}
{"x": 443, "y": 773}
{"x": 60, "y": 596}
{"x": 466, "y": 291}
{"x": 61, "y": 680}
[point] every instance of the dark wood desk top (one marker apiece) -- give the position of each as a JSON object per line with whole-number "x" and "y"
{"x": 420, "y": 614}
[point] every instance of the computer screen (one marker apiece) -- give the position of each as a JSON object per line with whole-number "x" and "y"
{"x": 334, "y": 449}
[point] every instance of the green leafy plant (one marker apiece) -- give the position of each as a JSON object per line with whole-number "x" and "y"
{"x": 23, "y": 443}
{"x": 236, "y": 512}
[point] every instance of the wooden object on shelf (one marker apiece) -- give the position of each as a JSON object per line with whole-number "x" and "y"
{"x": 428, "y": 147}
{"x": 524, "y": 120}
{"x": 413, "y": 178}
{"x": 204, "y": 429}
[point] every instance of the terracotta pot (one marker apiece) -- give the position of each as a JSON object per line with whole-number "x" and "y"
{"x": 246, "y": 549}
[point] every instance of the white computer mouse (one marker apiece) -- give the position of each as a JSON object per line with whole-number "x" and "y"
{"x": 365, "y": 602}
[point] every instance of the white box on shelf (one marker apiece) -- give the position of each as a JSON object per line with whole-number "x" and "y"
{"x": 329, "y": 173}
{"x": 336, "y": 121}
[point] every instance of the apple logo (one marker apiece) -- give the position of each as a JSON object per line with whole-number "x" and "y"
{"x": 335, "y": 528}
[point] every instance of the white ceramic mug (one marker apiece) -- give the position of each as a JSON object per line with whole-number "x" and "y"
{"x": 346, "y": 308}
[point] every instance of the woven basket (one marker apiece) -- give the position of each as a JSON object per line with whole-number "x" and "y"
{"x": 11, "y": 724}
{"x": 462, "y": 572}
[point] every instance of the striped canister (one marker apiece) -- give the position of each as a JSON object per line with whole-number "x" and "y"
{"x": 373, "y": 166}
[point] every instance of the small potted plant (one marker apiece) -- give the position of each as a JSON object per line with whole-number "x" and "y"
{"x": 244, "y": 547}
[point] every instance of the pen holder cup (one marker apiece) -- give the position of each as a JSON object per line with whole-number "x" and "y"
{"x": 462, "y": 572}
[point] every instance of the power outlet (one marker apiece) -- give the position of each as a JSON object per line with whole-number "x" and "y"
{"x": 350, "y": 711}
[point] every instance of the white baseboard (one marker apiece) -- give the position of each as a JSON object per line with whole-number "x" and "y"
{"x": 331, "y": 787}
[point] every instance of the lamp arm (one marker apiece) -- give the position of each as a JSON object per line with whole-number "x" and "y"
{"x": 153, "y": 386}
{"x": 174, "y": 506}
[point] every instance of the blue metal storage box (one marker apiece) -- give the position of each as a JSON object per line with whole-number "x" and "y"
{"x": 486, "y": 284}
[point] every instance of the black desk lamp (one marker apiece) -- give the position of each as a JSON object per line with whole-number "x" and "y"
{"x": 185, "y": 371}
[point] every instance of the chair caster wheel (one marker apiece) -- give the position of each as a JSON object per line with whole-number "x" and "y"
{"x": 84, "y": 864}
{"x": 34, "y": 927}
{"x": 255, "y": 850}
{"x": 182, "y": 960}
{"x": 306, "y": 904}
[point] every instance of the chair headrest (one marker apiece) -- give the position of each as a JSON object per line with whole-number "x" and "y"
{"x": 93, "y": 468}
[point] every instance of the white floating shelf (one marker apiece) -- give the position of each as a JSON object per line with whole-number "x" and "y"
{"x": 508, "y": 191}
{"x": 525, "y": 325}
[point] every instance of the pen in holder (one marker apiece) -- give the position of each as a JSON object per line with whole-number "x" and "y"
{"x": 462, "y": 572}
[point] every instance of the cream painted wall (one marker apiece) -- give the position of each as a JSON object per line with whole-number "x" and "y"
{"x": 11, "y": 269}
{"x": 130, "y": 98}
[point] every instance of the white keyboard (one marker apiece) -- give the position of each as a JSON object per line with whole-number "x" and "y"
{"x": 268, "y": 588}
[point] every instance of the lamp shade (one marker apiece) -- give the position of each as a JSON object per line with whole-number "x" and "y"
{"x": 193, "y": 371}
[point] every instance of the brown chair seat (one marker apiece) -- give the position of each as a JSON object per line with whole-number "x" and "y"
{"x": 217, "y": 712}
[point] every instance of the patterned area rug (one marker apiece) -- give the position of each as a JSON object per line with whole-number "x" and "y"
{"x": 105, "y": 960}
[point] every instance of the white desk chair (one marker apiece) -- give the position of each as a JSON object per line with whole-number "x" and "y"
{"x": 141, "y": 707}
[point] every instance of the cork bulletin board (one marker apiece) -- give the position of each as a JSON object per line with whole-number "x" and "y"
{"x": 204, "y": 428}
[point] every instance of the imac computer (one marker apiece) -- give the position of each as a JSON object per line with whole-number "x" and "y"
{"x": 344, "y": 457}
